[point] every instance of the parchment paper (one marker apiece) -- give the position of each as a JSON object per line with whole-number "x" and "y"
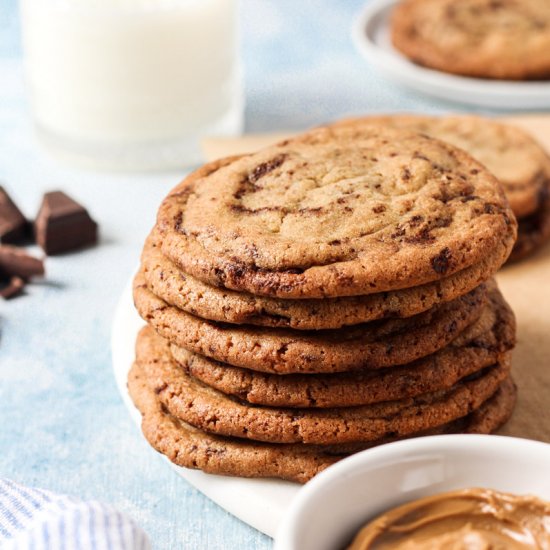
{"x": 525, "y": 285}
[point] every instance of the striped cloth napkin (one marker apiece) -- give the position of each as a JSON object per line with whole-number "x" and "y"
{"x": 40, "y": 520}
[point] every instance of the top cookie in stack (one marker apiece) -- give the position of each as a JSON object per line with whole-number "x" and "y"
{"x": 341, "y": 212}
{"x": 323, "y": 295}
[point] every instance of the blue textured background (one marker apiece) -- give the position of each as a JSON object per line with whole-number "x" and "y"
{"x": 62, "y": 424}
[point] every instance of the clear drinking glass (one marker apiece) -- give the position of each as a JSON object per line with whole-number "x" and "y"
{"x": 132, "y": 84}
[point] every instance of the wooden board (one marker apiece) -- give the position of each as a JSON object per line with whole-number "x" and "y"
{"x": 525, "y": 285}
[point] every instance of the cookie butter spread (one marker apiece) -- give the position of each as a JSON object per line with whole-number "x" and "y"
{"x": 469, "y": 519}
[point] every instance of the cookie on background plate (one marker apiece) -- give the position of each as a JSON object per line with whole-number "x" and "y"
{"x": 336, "y": 212}
{"x": 494, "y": 39}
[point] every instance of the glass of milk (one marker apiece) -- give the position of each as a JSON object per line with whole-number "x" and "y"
{"x": 132, "y": 84}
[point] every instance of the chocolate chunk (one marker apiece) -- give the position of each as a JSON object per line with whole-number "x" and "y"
{"x": 62, "y": 224}
{"x": 12, "y": 287}
{"x": 440, "y": 263}
{"x": 15, "y": 262}
{"x": 13, "y": 225}
{"x": 266, "y": 167}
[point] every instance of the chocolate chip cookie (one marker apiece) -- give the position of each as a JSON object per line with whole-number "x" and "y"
{"x": 533, "y": 230}
{"x": 212, "y": 411}
{"x": 378, "y": 344}
{"x": 498, "y": 39}
{"x": 479, "y": 346}
{"x": 186, "y": 446}
{"x": 179, "y": 289}
{"x": 336, "y": 212}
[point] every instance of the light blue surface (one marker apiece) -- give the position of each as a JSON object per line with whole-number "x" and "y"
{"x": 63, "y": 426}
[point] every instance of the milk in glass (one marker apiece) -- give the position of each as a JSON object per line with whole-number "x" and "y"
{"x": 132, "y": 84}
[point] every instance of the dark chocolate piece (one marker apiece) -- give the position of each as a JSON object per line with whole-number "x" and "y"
{"x": 15, "y": 262}
{"x": 62, "y": 224}
{"x": 13, "y": 225}
{"x": 13, "y": 287}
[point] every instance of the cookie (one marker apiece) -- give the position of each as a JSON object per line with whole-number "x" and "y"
{"x": 186, "y": 446}
{"x": 479, "y": 346}
{"x": 499, "y": 39}
{"x": 379, "y": 344}
{"x": 520, "y": 164}
{"x": 185, "y": 292}
{"x": 212, "y": 411}
{"x": 336, "y": 212}
{"x": 533, "y": 231}
{"x": 494, "y": 412}
{"x": 191, "y": 448}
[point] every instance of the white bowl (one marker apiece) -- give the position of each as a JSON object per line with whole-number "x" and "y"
{"x": 330, "y": 509}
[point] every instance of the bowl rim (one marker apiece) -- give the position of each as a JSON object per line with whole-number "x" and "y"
{"x": 496, "y": 445}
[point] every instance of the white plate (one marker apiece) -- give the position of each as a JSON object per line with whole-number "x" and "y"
{"x": 371, "y": 37}
{"x": 258, "y": 502}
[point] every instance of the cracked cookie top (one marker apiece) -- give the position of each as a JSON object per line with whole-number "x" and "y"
{"x": 336, "y": 212}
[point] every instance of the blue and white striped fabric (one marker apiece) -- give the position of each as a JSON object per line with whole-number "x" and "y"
{"x": 34, "y": 519}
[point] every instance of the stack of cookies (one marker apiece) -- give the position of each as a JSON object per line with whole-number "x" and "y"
{"x": 324, "y": 295}
{"x": 516, "y": 159}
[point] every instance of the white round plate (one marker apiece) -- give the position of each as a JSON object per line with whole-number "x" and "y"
{"x": 259, "y": 502}
{"x": 371, "y": 37}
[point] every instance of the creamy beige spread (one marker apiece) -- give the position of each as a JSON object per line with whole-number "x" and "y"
{"x": 469, "y": 519}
